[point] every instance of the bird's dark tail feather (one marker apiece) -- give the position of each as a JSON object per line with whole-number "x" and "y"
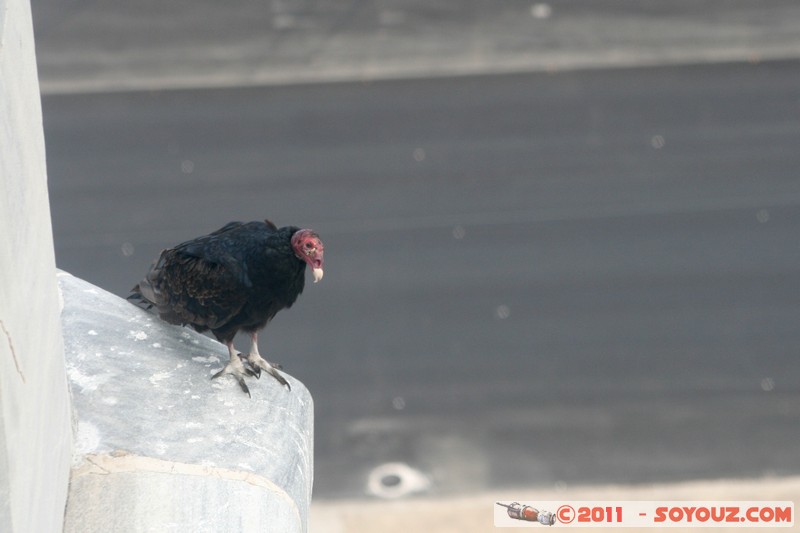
{"x": 148, "y": 298}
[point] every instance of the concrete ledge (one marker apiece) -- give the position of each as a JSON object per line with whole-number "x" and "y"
{"x": 130, "y": 493}
{"x": 161, "y": 447}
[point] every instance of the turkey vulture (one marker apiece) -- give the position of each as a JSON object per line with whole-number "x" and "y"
{"x": 234, "y": 279}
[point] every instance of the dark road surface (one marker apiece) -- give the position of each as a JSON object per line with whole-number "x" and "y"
{"x": 530, "y": 279}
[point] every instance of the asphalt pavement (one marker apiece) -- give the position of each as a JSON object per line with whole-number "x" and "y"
{"x": 541, "y": 279}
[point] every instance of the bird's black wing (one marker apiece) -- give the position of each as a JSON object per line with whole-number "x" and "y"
{"x": 202, "y": 282}
{"x": 227, "y": 227}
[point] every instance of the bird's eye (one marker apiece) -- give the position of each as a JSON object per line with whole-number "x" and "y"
{"x": 309, "y": 245}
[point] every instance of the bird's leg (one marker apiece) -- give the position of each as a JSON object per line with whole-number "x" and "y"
{"x": 258, "y": 363}
{"x": 235, "y": 368}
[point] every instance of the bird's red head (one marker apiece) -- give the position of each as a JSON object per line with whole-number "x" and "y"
{"x": 309, "y": 248}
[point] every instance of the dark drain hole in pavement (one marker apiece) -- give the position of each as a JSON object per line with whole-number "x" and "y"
{"x": 392, "y": 480}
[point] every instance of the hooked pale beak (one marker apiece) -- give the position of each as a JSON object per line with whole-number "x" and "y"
{"x": 317, "y": 274}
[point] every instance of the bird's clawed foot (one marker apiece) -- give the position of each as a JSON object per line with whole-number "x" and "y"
{"x": 258, "y": 363}
{"x": 238, "y": 371}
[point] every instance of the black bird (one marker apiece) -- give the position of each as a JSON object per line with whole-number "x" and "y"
{"x": 234, "y": 279}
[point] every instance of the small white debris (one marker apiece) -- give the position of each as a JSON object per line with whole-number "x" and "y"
{"x": 209, "y": 359}
{"x": 110, "y": 400}
{"x": 138, "y": 335}
{"x": 86, "y": 383}
{"x": 158, "y": 376}
{"x": 156, "y": 345}
{"x": 91, "y": 332}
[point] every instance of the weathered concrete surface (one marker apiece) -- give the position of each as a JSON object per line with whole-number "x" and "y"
{"x": 35, "y": 436}
{"x": 161, "y": 447}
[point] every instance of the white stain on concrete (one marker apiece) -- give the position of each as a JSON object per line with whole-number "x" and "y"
{"x": 86, "y": 383}
{"x": 209, "y": 359}
{"x": 87, "y": 438}
{"x": 159, "y": 376}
